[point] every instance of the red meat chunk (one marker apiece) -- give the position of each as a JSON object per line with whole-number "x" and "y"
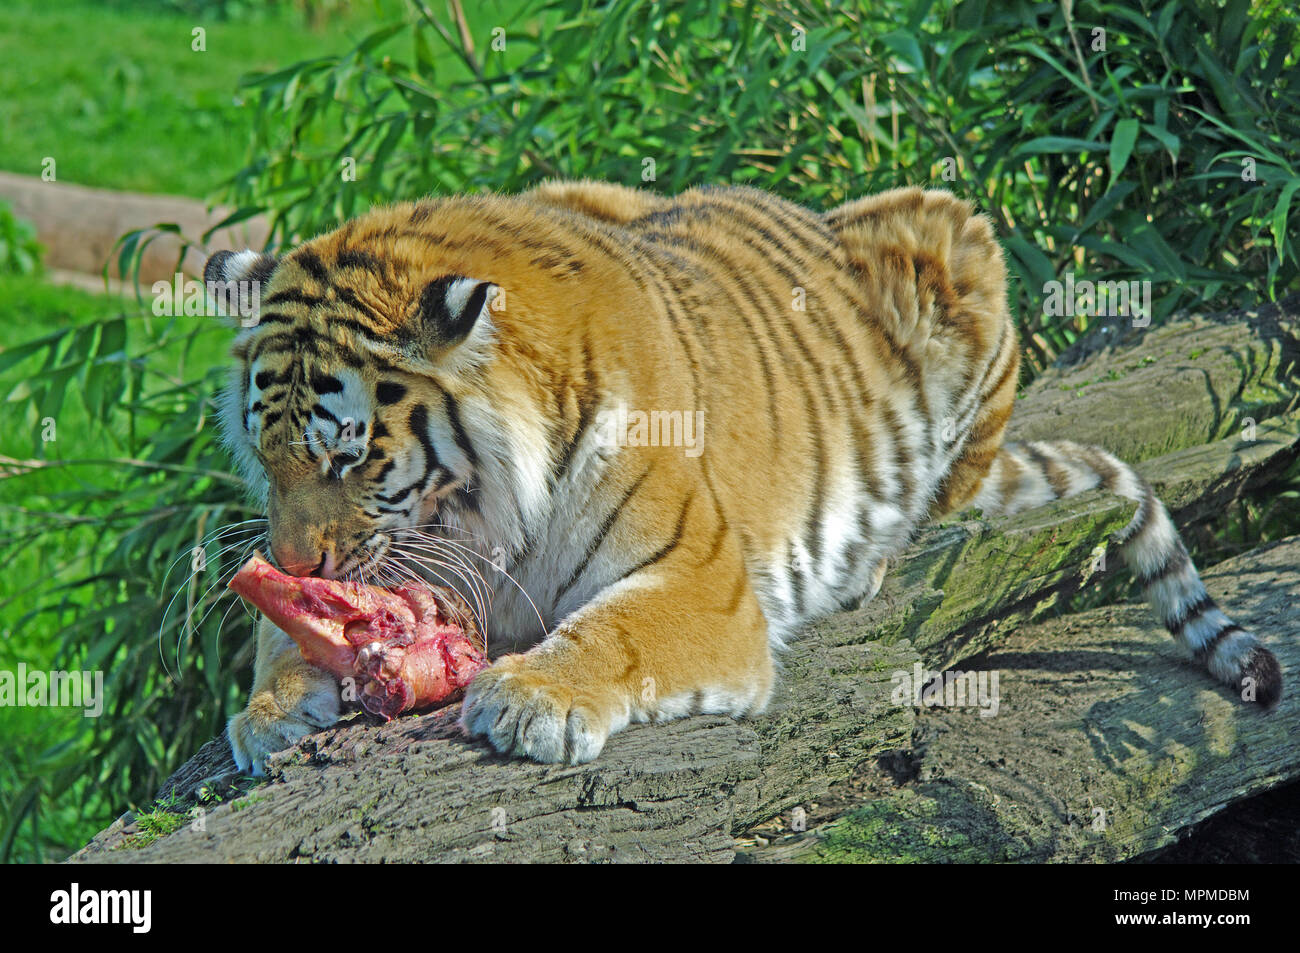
{"x": 401, "y": 645}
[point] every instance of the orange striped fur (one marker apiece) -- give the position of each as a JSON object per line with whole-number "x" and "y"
{"x": 853, "y": 372}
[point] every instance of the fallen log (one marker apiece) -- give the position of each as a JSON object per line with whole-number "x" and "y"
{"x": 416, "y": 790}
{"x": 1144, "y": 392}
{"x": 1105, "y": 745}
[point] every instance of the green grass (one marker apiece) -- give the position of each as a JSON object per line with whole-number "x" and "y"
{"x": 115, "y": 94}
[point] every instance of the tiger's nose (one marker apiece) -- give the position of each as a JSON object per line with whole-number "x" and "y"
{"x": 296, "y": 563}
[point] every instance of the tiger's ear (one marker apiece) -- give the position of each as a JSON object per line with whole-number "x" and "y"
{"x": 451, "y": 309}
{"x": 235, "y": 281}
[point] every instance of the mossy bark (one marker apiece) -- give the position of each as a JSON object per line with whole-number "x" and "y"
{"x": 1106, "y": 744}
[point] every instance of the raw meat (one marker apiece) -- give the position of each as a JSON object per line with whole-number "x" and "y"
{"x": 401, "y": 644}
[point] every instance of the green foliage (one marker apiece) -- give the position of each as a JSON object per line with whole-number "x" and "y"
{"x": 20, "y": 252}
{"x": 163, "y": 818}
{"x": 110, "y": 476}
{"x": 1117, "y": 163}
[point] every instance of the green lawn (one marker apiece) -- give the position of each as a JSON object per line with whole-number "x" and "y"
{"x": 113, "y": 92}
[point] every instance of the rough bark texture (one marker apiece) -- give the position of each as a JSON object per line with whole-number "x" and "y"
{"x": 1105, "y": 744}
{"x": 1143, "y": 392}
{"x": 416, "y": 790}
{"x": 1097, "y": 709}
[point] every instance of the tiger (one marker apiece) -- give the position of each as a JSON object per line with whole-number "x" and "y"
{"x": 452, "y": 381}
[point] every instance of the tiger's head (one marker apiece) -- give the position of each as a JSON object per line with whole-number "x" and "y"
{"x": 381, "y": 387}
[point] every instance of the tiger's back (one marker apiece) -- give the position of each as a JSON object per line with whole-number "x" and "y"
{"x": 842, "y": 361}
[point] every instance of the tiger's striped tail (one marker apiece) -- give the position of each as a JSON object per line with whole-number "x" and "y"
{"x": 1025, "y": 475}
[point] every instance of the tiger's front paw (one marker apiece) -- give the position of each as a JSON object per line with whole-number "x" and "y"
{"x": 277, "y": 718}
{"x": 523, "y": 710}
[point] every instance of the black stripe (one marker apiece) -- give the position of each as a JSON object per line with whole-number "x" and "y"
{"x": 349, "y": 297}
{"x": 467, "y": 500}
{"x": 741, "y": 310}
{"x": 401, "y": 494}
{"x": 718, "y": 542}
{"x": 1012, "y": 364}
{"x": 1049, "y": 467}
{"x": 1178, "y": 561}
{"x": 326, "y": 384}
{"x": 606, "y": 525}
{"x": 421, "y": 212}
{"x": 834, "y": 400}
{"x": 796, "y": 581}
{"x": 625, "y": 253}
{"x": 418, "y": 422}
{"x": 458, "y": 430}
{"x": 814, "y": 431}
{"x": 587, "y": 401}
{"x": 389, "y": 392}
{"x": 667, "y": 547}
{"x": 738, "y": 593}
{"x": 556, "y": 263}
{"x": 1194, "y": 611}
{"x": 358, "y": 258}
{"x": 828, "y": 324}
{"x": 309, "y": 262}
{"x": 1212, "y": 645}
{"x": 907, "y": 490}
{"x": 290, "y": 343}
{"x": 798, "y": 223}
{"x": 324, "y": 414}
{"x": 1105, "y": 470}
{"x": 295, "y": 296}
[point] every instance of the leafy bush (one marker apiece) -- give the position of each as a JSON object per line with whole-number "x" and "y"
{"x": 119, "y": 480}
{"x": 1120, "y": 162}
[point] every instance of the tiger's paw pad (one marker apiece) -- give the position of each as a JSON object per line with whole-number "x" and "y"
{"x": 266, "y": 726}
{"x": 522, "y": 712}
